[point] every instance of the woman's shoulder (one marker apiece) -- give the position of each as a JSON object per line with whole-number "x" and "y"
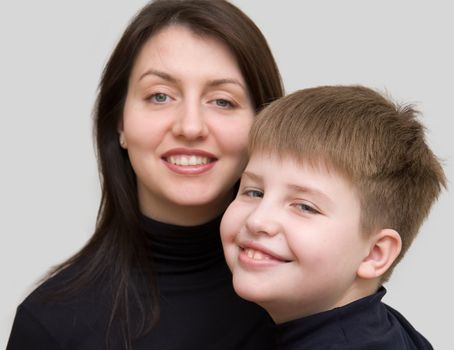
{"x": 54, "y": 313}
{"x": 61, "y": 289}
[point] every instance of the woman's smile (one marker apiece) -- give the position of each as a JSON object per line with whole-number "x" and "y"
{"x": 186, "y": 161}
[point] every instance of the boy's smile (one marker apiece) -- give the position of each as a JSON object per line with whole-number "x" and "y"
{"x": 292, "y": 237}
{"x": 253, "y": 254}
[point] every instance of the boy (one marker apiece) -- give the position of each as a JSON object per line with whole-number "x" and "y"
{"x": 338, "y": 183}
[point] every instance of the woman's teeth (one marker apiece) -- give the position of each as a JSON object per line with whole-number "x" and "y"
{"x": 188, "y": 160}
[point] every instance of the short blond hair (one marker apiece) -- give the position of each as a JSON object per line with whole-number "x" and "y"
{"x": 377, "y": 145}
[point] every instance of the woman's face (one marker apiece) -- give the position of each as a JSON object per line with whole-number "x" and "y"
{"x": 185, "y": 126}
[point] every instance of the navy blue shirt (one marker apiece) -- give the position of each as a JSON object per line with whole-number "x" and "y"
{"x": 366, "y": 324}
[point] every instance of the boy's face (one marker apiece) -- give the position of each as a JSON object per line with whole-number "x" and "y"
{"x": 292, "y": 238}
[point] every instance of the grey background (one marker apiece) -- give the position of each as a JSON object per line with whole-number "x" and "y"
{"x": 52, "y": 55}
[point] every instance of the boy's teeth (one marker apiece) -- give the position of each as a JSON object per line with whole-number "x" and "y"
{"x": 188, "y": 160}
{"x": 256, "y": 255}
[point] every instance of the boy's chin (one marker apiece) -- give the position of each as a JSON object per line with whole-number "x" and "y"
{"x": 253, "y": 293}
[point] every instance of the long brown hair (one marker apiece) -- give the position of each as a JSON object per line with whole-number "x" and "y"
{"x": 117, "y": 251}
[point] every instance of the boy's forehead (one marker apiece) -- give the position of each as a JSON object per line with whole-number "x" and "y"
{"x": 298, "y": 170}
{"x": 316, "y": 163}
{"x": 275, "y": 161}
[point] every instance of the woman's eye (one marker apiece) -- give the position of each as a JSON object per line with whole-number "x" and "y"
{"x": 253, "y": 193}
{"x": 220, "y": 102}
{"x": 306, "y": 208}
{"x": 159, "y": 97}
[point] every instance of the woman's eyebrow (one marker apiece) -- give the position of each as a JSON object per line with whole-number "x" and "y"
{"x": 170, "y": 78}
{"x": 217, "y": 82}
{"x": 160, "y": 74}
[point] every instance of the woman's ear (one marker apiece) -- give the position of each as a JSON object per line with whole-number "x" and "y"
{"x": 121, "y": 135}
{"x": 385, "y": 247}
{"x": 122, "y": 140}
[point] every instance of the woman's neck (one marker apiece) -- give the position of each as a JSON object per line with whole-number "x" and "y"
{"x": 186, "y": 215}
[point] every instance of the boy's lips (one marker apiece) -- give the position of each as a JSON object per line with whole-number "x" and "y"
{"x": 258, "y": 252}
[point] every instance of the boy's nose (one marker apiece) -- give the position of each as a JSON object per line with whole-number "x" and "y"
{"x": 190, "y": 122}
{"x": 263, "y": 220}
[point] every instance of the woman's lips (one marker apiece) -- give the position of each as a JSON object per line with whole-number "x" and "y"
{"x": 186, "y": 161}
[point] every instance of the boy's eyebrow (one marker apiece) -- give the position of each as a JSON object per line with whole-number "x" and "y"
{"x": 251, "y": 175}
{"x": 294, "y": 188}
{"x": 309, "y": 190}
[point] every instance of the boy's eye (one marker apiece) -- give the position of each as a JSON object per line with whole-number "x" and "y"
{"x": 253, "y": 193}
{"x": 159, "y": 97}
{"x": 306, "y": 208}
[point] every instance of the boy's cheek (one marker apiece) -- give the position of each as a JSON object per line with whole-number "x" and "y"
{"x": 228, "y": 219}
{"x": 234, "y": 221}
{"x": 227, "y": 231}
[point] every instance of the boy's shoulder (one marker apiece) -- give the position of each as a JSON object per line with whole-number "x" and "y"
{"x": 367, "y": 323}
{"x": 419, "y": 341}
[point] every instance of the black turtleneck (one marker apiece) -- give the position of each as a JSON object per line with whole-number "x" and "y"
{"x": 365, "y": 324}
{"x": 198, "y": 306}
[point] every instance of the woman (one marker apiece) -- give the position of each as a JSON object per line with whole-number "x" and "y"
{"x": 176, "y": 100}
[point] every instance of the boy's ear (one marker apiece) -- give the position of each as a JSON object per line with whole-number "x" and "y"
{"x": 384, "y": 249}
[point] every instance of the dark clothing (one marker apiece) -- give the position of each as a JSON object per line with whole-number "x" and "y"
{"x": 198, "y": 306}
{"x": 365, "y": 324}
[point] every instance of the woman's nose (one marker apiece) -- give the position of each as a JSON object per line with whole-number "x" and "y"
{"x": 190, "y": 122}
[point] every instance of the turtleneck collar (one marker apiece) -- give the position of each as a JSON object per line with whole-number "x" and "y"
{"x": 176, "y": 250}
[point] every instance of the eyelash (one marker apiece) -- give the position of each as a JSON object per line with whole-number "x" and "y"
{"x": 229, "y": 104}
{"x": 152, "y": 97}
{"x": 253, "y": 193}
{"x": 306, "y": 208}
